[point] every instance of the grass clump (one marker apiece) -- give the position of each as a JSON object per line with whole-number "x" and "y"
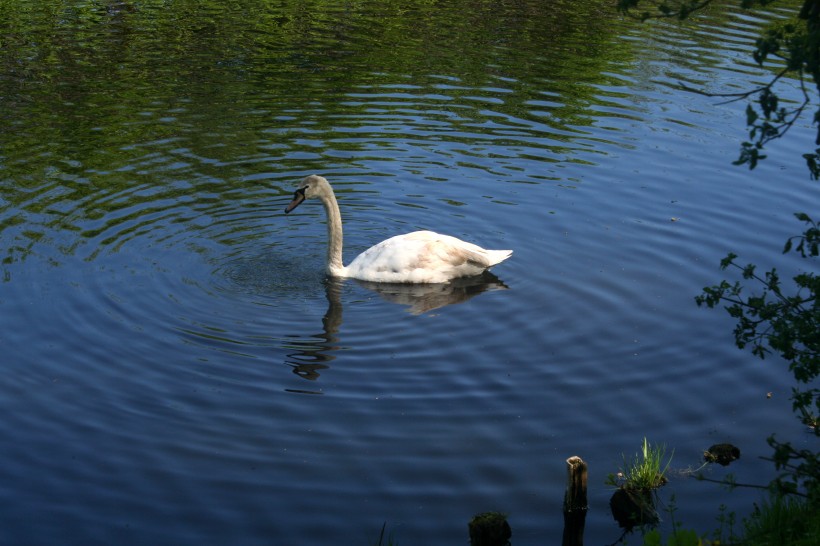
{"x": 646, "y": 471}
{"x": 778, "y": 520}
{"x": 783, "y": 520}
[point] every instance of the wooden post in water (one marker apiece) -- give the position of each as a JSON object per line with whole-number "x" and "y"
{"x": 575, "y": 502}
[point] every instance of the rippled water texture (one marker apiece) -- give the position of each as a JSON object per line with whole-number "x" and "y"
{"x": 176, "y": 368}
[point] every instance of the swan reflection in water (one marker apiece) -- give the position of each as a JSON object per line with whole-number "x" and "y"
{"x": 423, "y": 298}
{"x": 310, "y": 355}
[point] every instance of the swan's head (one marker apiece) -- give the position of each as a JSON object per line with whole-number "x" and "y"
{"x": 310, "y": 187}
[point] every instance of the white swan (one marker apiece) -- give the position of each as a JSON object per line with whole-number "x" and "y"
{"x": 418, "y": 257}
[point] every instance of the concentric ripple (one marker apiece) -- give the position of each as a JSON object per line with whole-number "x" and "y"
{"x": 178, "y": 370}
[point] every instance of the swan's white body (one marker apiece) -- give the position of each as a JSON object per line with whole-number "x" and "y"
{"x": 417, "y": 257}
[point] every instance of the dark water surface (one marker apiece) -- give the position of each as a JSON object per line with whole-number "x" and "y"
{"x": 176, "y": 369}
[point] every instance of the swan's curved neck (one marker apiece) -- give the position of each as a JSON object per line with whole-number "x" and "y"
{"x": 335, "y": 266}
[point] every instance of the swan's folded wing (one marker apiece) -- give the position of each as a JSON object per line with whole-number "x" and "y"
{"x": 457, "y": 252}
{"x": 423, "y": 256}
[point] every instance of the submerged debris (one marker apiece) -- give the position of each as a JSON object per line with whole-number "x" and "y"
{"x": 634, "y": 507}
{"x": 490, "y": 529}
{"x": 722, "y": 454}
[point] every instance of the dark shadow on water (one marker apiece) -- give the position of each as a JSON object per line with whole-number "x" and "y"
{"x": 423, "y": 298}
{"x": 309, "y": 355}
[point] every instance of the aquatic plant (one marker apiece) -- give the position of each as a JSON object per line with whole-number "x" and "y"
{"x": 646, "y": 471}
{"x": 782, "y": 520}
{"x": 633, "y": 503}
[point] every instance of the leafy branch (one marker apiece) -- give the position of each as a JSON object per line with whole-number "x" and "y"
{"x": 729, "y": 481}
{"x": 795, "y": 43}
{"x": 776, "y": 320}
{"x": 771, "y": 321}
{"x": 787, "y": 324}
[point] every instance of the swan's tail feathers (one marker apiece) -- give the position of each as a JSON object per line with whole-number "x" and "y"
{"x": 497, "y": 256}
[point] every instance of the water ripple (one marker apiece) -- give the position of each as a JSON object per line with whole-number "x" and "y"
{"x": 168, "y": 329}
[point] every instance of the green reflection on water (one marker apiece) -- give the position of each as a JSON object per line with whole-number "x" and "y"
{"x": 124, "y": 73}
{"x": 116, "y": 112}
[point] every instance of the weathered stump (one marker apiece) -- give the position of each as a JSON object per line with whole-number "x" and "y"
{"x": 575, "y": 502}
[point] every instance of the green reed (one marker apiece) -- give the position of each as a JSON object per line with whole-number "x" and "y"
{"x": 645, "y": 471}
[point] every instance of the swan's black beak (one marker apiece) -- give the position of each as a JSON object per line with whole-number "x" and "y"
{"x": 298, "y": 197}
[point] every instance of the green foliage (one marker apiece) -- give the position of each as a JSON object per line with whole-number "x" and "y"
{"x": 808, "y": 244}
{"x": 645, "y": 471}
{"x": 783, "y": 520}
{"x": 681, "y": 537}
{"x": 789, "y": 42}
{"x": 778, "y": 319}
{"x": 793, "y": 44}
{"x": 774, "y": 321}
{"x": 726, "y": 532}
{"x": 777, "y": 520}
{"x": 785, "y": 322}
